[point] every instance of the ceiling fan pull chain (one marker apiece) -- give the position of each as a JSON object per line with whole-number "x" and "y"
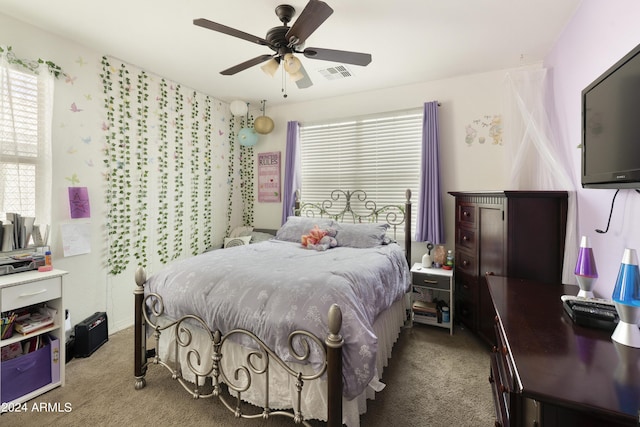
{"x": 284, "y": 84}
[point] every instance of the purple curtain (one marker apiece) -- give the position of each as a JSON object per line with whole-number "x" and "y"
{"x": 429, "y": 227}
{"x": 291, "y": 170}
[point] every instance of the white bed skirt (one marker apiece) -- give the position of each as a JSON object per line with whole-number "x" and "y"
{"x": 282, "y": 389}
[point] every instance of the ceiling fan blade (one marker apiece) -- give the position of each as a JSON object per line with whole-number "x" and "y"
{"x": 304, "y": 82}
{"x": 205, "y": 23}
{"x": 313, "y": 15}
{"x": 355, "y": 58}
{"x": 247, "y": 64}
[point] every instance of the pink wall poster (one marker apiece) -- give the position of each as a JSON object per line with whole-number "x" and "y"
{"x": 269, "y": 177}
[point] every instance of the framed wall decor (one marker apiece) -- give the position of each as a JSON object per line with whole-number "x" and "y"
{"x": 269, "y": 177}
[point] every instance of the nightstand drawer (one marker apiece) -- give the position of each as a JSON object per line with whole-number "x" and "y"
{"x": 30, "y": 293}
{"x": 430, "y": 280}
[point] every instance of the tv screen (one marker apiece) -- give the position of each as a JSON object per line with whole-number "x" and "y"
{"x": 611, "y": 126}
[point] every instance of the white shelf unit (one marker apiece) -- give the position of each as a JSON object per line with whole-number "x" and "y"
{"x": 29, "y": 288}
{"x": 440, "y": 283}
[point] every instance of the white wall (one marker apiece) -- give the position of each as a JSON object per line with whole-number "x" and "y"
{"x": 464, "y": 101}
{"x": 599, "y": 34}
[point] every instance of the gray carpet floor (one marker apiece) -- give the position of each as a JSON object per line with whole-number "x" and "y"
{"x": 433, "y": 379}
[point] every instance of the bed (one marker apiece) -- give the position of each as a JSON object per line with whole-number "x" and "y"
{"x": 302, "y": 332}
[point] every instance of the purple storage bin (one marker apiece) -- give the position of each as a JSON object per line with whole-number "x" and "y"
{"x": 25, "y": 374}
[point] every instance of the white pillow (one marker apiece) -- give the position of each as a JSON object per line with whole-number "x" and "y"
{"x": 241, "y": 231}
{"x": 236, "y": 241}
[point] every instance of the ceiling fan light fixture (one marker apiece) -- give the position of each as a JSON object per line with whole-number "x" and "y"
{"x": 238, "y": 108}
{"x": 270, "y": 67}
{"x": 296, "y": 76}
{"x": 291, "y": 63}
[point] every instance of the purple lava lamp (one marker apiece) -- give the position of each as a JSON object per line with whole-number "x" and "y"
{"x": 586, "y": 272}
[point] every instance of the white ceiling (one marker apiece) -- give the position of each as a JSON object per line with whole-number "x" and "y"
{"x": 410, "y": 41}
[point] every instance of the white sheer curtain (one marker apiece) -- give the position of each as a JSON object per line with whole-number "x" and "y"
{"x": 26, "y": 106}
{"x": 536, "y": 153}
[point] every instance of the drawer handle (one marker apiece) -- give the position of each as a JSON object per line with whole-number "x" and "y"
{"x": 431, "y": 282}
{"x": 33, "y": 293}
{"x": 465, "y": 263}
{"x": 465, "y": 238}
{"x": 465, "y": 213}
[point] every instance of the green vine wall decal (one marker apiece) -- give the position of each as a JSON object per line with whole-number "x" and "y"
{"x": 195, "y": 176}
{"x": 207, "y": 169}
{"x": 142, "y": 156}
{"x": 111, "y": 161}
{"x": 247, "y": 166}
{"x": 122, "y": 174}
{"x": 31, "y": 65}
{"x": 230, "y": 174}
{"x": 178, "y": 190}
{"x": 163, "y": 167}
{"x": 166, "y": 156}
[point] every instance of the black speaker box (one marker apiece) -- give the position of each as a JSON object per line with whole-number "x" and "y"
{"x": 90, "y": 334}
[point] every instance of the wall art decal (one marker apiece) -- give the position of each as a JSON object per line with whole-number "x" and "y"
{"x": 484, "y": 129}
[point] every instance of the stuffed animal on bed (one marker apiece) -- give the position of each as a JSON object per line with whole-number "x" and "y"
{"x": 320, "y": 239}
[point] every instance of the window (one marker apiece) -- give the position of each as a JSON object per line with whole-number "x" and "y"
{"x": 25, "y": 171}
{"x": 378, "y": 154}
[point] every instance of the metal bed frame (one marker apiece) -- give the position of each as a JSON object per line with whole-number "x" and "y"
{"x": 258, "y": 361}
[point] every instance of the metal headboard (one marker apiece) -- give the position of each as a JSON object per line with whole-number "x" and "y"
{"x": 341, "y": 207}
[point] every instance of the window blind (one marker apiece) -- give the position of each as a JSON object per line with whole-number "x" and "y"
{"x": 21, "y": 121}
{"x": 378, "y": 154}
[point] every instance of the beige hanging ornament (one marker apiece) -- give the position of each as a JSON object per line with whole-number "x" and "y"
{"x": 263, "y": 124}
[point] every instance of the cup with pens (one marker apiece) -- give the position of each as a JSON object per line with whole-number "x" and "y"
{"x": 7, "y": 321}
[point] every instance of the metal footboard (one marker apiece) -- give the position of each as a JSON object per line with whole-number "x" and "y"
{"x": 257, "y": 362}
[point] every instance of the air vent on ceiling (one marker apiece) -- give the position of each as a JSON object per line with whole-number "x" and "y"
{"x": 336, "y": 72}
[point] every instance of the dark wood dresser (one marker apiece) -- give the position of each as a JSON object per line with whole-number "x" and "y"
{"x": 507, "y": 233}
{"x": 547, "y": 371}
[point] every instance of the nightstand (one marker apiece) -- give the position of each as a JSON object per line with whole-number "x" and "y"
{"x": 43, "y": 369}
{"x": 439, "y": 284}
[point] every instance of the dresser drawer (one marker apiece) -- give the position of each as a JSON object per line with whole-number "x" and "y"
{"x": 467, "y": 299}
{"x": 467, "y": 287}
{"x": 504, "y": 366}
{"x": 466, "y": 215}
{"x": 466, "y": 263}
{"x": 466, "y": 312}
{"x": 430, "y": 280}
{"x": 26, "y": 294}
{"x": 466, "y": 238}
{"x": 500, "y": 396}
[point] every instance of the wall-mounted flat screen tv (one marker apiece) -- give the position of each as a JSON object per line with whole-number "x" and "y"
{"x": 611, "y": 126}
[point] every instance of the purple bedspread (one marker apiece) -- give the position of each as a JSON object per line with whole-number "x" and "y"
{"x": 275, "y": 287}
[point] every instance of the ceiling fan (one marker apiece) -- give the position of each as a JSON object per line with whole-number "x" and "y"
{"x": 285, "y": 41}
